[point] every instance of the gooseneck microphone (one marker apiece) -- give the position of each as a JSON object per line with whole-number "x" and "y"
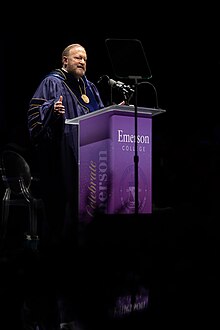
{"x": 117, "y": 84}
{"x": 127, "y": 89}
{"x": 104, "y": 77}
{"x": 120, "y": 85}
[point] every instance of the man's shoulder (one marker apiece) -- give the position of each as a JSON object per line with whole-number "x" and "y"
{"x": 57, "y": 73}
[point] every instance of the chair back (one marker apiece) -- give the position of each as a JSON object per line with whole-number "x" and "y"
{"x": 16, "y": 177}
{"x": 14, "y": 170}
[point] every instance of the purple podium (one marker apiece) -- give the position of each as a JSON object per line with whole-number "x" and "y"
{"x": 106, "y": 149}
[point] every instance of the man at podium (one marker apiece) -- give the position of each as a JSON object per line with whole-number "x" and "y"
{"x": 65, "y": 93}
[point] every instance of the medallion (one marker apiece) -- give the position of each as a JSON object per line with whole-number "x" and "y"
{"x": 85, "y": 98}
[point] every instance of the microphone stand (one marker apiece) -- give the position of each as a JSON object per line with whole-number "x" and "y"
{"x": 126, "y": 95}
{"x": 136, "y": 157}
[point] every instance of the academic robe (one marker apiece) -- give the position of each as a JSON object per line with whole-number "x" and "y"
{"x": 56, "y": 147}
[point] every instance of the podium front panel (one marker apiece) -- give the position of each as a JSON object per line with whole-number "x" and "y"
{"x": 123, "y": 167}
{"x": 106, "y": 165}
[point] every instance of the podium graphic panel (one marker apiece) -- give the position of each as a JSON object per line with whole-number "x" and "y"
{"x": 123, "y": 170}
{"x": 106, "y": 168}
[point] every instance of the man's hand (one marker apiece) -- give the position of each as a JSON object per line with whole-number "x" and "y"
{"x": 59, "y": 107}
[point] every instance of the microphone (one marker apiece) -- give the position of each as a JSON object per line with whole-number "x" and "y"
{"x": 121, "y": 86}
{"x": 103, "y": 77}
{"x": 155, "y": 91}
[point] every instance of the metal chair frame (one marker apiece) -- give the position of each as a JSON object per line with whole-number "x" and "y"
{"x": 17, "y": 179}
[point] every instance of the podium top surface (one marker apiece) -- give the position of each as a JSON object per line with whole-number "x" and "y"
{"x": 119, "y": 110}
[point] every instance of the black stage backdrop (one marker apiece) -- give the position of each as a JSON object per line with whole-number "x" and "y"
{"x": 182, "y": 50}
{"x": 182, "y": 47}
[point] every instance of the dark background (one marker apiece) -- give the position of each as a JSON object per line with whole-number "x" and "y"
{"x": 181, "y": 46}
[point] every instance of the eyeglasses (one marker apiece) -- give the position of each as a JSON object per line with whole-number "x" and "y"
{"x": 80, "y": 58}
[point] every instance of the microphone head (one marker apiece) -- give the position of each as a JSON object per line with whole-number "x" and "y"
{"x": 103, "y": 77}
{"x": 112, "y": 82}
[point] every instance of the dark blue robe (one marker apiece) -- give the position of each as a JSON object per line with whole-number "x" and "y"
{"x": 55, "y": 150}
{"x": 57, "y": 147}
